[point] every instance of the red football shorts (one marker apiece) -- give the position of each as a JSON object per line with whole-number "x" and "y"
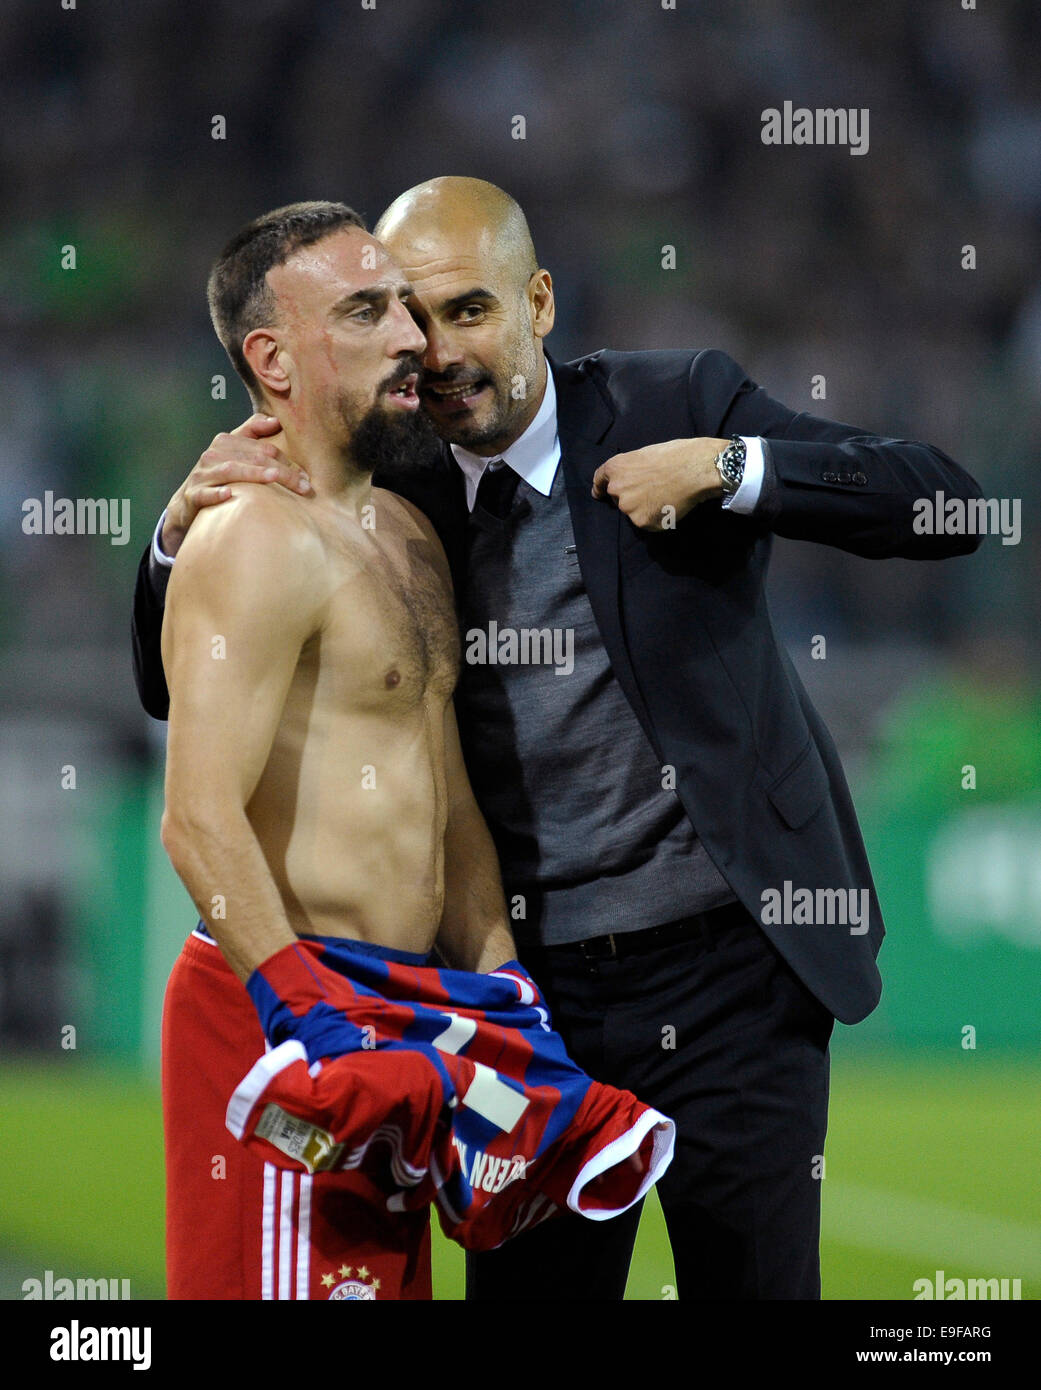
{"x": 239, "y": 1228}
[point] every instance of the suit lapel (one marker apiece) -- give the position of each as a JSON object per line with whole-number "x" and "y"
{"x": 584, "y": 422}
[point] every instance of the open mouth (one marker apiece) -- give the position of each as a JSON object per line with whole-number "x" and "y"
{"x": 454, "y": 396}
{"x": 405, "y": 394}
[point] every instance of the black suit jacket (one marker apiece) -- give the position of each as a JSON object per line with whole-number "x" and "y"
{"x": 684, "y": 619}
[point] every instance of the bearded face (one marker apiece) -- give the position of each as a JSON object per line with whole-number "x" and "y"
{"x": 389, "y": 441}
{"x": 376, "y": 434}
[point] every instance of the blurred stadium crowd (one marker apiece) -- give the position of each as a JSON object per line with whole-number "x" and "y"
{"x": 642, "y": 130}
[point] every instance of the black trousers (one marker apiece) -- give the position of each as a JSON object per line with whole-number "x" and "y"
{"x": 716, "y": 1032}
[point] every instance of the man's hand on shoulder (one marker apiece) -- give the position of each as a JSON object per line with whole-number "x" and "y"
{"x": 658, "y": 485}
{"x": 247, "y": 455}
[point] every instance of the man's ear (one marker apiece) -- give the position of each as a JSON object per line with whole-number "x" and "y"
{"x": 268, "y": 360}
{"x": 543, "y": 305}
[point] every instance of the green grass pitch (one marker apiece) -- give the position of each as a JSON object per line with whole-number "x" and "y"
{"x": 930, "y": 1164}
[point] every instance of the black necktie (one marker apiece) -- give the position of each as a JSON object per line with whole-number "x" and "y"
{"x": 496, "y": 490}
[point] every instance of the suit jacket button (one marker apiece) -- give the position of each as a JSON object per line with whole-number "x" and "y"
{"x": 860, "y": 478}
{"x": 843, "y": 478}
{"x": 828, "y": 477}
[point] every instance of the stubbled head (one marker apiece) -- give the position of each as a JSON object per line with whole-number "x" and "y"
{"x": 239, "y": 296}
{"x": 312, "y": 311}
{"x": 481, "y": 300}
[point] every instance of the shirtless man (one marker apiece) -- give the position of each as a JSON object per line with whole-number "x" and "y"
{"x": 316, "y": 789}
{"x": 311, "y": 651}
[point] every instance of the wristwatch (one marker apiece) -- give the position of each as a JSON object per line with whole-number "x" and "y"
{"x": 730, "y": 465}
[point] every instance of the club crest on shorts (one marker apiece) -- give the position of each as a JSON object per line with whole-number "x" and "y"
{"x": 361, "y": 1287}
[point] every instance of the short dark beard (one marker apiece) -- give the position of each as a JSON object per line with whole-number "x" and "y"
{"x": 496, "y": 434}
{"x": 502, "y": 429}
{"x": 393, "y": 443}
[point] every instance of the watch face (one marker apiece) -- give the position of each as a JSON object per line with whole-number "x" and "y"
{"x": 731, "y": 466}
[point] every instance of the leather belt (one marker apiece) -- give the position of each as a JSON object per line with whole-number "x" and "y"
{"x": 617, "y": 945}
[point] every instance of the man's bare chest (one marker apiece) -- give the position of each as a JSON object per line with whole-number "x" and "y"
{"x": 390, "y": 637}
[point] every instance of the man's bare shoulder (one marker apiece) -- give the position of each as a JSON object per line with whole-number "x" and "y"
{"x": 415, "y": 528}
{"x": 250, "y": 568}
{"x": 259, "y": 525}
{"x": 403, "y": 515}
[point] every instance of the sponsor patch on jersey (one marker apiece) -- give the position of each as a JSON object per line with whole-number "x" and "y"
{"x": 307, "y": 1143}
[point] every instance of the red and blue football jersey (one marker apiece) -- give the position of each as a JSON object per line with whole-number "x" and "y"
{"x": 449, "y": 1087}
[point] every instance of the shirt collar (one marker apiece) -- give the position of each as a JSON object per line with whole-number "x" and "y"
{"x": 535, "y": 456}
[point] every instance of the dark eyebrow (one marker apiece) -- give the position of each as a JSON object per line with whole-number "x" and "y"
{"x": 472, "y": 296}
{"x": 375, "y": 294}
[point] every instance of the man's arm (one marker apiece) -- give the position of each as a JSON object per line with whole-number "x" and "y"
{"x": 246, "y": 595}
{"x": 822, "y": 481}
{"x": 146, "y": 632}
{"x": 475, "y": 932}
{"x": 247, "y": 454}
{"x": 837, "y": 484}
